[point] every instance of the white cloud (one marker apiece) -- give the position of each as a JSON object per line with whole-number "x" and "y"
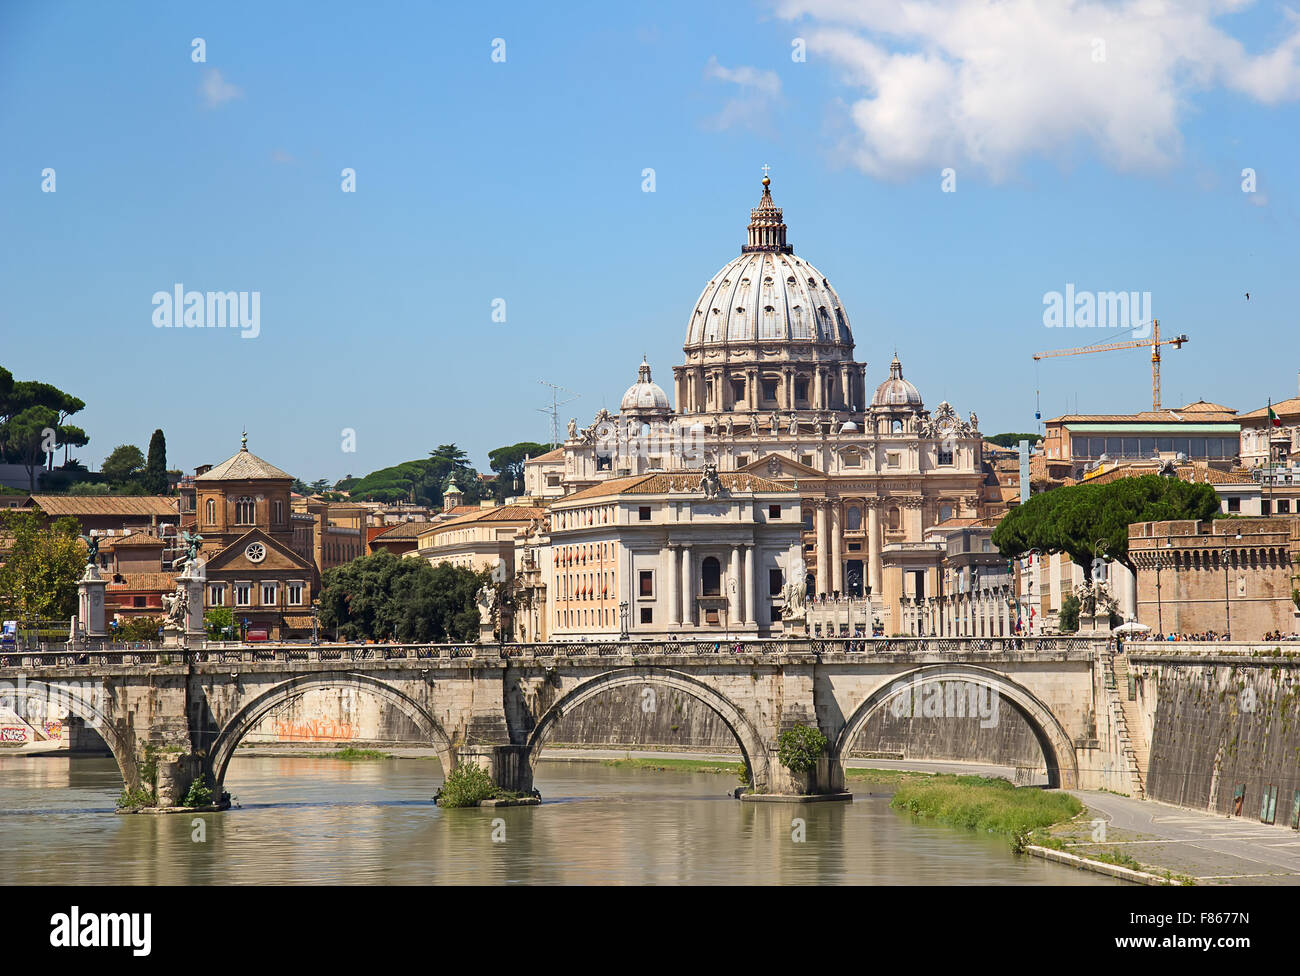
{"x": 216, "y": 91}
{"x": 973, "y": 82}
{"x": 758, "y": 92}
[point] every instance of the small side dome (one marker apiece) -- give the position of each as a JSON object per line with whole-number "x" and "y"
{"x": 849, "y": 428}
{"x": 644, "y": 394}
{"x": 896, "y": 391}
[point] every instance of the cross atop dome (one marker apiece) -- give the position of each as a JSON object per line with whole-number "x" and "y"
{"x": 766, "y": 226}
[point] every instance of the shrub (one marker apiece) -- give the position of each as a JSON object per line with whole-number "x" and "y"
{"x": 198, "y": 795}
{"x": 466, "y": 786}
{"x": 800, "y": 747}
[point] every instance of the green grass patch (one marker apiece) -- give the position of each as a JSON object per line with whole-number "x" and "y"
{"x": 990, "y": 805}
{"x": 349, "y": 754}
{"x": 673, "y": 765}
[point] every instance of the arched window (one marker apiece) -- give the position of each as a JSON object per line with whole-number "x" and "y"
{"x": 279, "y": 512}
{"x": 711, "y": 577}
{"x": 244, "y": 511}
{"x": 210, "y": 510}
{"x": 895, "y": 518}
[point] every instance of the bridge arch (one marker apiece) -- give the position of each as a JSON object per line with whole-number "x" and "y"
{"x": 1058, "y": 750}
{"x": 251, "y": 714}
{"x": 90, "y": 713}
{"x": 747, "y": 737}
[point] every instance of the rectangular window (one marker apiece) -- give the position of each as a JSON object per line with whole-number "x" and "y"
{"x": 738, "y": 390}
{"x": 295, "y": 594}
{"x": 895, "y": 459}
{"x": 801, "y": 389}
{"x": 1234, "y": 504}
{"x": 775, "y": 580}
{"x": 769, "y": 390}
{"x": 647, "y": 615}
{"x": 647, "y": 583}
{"x": 643, "y": 513}
{"x": 243, "y": 594}
{"x": 806, "y": 460}
{"x": 552, "y": 481}
{"x": 269, "y": 592}
{"x": 774, "y": 511}
{"x": 139, "y": 601}
{"x": 945, "y": 457}
{"x": 1284, "y": 506}
{"x": 742, "y": 460}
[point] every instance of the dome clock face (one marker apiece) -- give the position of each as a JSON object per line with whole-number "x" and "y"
{"x": 255, "y": 552}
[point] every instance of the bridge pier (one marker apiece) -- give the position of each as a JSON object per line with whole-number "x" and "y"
{"x": 510, "y": 766}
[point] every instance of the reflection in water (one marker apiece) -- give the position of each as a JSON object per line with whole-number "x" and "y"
{"x": 305, "y": 821}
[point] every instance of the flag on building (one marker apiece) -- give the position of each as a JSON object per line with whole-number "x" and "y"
{"x": 1272, "y": 417}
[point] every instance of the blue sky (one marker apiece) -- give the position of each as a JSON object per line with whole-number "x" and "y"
{"x": 522, "y": 180}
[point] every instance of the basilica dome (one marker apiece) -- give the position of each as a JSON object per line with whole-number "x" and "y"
{"x": 644, "y": 394}
{"x": 768, "y": 295}
{"x": 896, "y": 391}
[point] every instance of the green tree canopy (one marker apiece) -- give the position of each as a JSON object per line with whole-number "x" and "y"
{"x": 38, "y": 580}
{"x": 124, "y": 465}
{"x": 1012, "y": 440}
{"x": 383, "y": 596}
{"x": 1073, "y": 519}
{"x": 30, "y": 437}
{"x": 508, "y": 463}
{"x": 154, "y": 479}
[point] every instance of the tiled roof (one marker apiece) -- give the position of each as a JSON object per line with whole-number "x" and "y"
{"x": 244, "y": 466}
{"x": 1198, "y": 413}
{"x": 501, "y": 513}
{"x": 1291, "y": 406}
{"x": 1192, "y": 471}
{"x": 657, "y": 484}
{"x": 134, "y": 539}
{"x": 158, "y": 582}
{"x": 403, "y": 530}
{"x": 555, "y": 455}
{"x": 58, "y": 506}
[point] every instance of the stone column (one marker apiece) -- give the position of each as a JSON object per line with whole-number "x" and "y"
{"x": 751, "y": 589}
{"x": 837, "y": 548}
{"x": 734, "y": 587}
{"x": 674, "y": 578}
{"x": 90, "y": 602}
{"x": 874, "y": 568}
{"x": 688, "y": 588}
{"x": 788, "y": 387}
{"x": 823, "y": 549}
{"x": 817, "y": 389}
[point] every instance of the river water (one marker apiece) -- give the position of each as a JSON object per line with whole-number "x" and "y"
{"x": 313, "y": 821}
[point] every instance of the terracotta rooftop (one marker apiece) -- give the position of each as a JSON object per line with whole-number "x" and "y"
{"x": 159, "y": 582}
{"x": 1291, "y": 406}
{"x": 403, "y": 530}
{"x": 501, "y": 513}
{"x": 244, "y": 466}
{"x": 656, "y": 484}
{"x": 553, "y": 455}
{"x": 1191, "y": 471}
{"x": 134, "y": 539}
{"x": 58, "y": 506}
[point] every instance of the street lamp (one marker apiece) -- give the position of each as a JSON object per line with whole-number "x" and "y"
{"x": 1098, "y": 563}
{"x": 315, "y": 623}
{"x": 622, "y": 620}
{"x": 1160, "y": 618}
{"x": 1227, "y": 613}
{"x": 1029, "y": 599}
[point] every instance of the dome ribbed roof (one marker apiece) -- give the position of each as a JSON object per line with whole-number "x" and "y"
{"x": 896, "y": 391}
{"x": 644, "y": 394}
{"x": 768, "y": 294}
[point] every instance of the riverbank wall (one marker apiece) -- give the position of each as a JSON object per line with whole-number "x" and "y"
{"x": 1224, "y": 727}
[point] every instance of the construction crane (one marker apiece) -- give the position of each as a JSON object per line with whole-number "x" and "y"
{"x": 1155, "y": 342}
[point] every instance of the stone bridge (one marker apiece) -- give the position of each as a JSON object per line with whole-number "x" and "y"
{"x": 496, "y": 705}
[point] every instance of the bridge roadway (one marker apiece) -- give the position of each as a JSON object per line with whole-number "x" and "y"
{"x": 184, "y": 712}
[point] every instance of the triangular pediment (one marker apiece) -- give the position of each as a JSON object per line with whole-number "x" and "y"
{"x": 276, "y": 556}
{"x": 778, "y": 467}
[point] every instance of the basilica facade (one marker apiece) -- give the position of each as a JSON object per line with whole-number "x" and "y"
{"x": 770, "y": 388}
